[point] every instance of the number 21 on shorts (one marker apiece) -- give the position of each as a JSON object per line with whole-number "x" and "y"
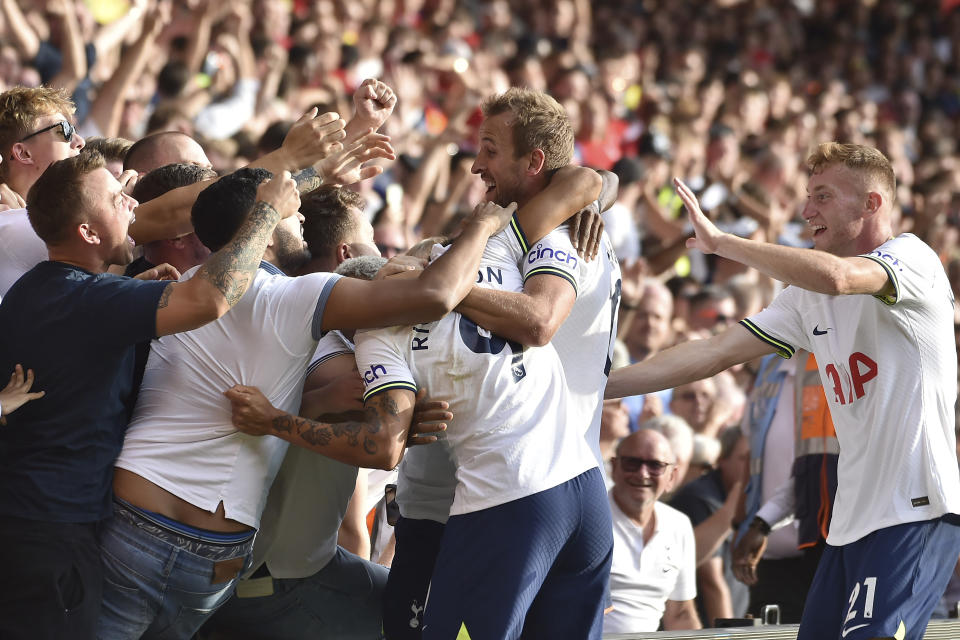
{"x": 870, "y": 588}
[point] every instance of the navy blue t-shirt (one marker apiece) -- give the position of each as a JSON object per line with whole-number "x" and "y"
{"x": 78, "y": 331}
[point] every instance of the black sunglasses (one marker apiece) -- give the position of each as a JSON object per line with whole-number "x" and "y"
{"x": 66, "y": 130}
{"x": 630, "y": 464}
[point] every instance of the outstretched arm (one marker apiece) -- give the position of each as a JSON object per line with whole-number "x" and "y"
{"x": 809, "y": 269}
{"x": 226, "y": 275}
{"x": 357, "y": 304}
{"x": 686, "y": 362}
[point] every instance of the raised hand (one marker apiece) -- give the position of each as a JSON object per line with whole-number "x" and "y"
{"x": 349, "y": 164}
{"x": 280, "y": 192}
{"x": 313, "y": 137}
{"x": 252, "y": 413}
{"x": 373, "y": 102}
{"x": 17, "y": 392}
{"x": 428, "y": 421}
{"x": 707, "y": 234}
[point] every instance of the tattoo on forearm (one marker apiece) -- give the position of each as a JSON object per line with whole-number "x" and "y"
{"x": 320, "y": 435}
{"x": 307, "y": 180}
{"x": 165, "y": 296}
{"x": 233, "y": 267}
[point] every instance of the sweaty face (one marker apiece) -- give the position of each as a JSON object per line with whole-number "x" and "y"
{"x": 836, "y": 201}
{"x": 496, "y": 163}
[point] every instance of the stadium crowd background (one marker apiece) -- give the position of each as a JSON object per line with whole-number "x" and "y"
{"x": 728, "y": 95}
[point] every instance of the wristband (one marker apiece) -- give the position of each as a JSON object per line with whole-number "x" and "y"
{"x": 760, "y": 525}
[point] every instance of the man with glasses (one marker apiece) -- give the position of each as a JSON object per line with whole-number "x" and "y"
{"x": 35, "y": 131}
{"x": 653, "y": 573}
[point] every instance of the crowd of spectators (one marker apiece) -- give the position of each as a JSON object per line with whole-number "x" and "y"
{"x": 729, "y": 95}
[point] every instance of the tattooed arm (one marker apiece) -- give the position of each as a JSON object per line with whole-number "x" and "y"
{"x": 376, "y": 442}
{"x": 223, "y": 279}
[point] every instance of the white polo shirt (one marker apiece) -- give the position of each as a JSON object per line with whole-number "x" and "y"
{"x": 644, "y": 577}
{"x": 182, "y": 438}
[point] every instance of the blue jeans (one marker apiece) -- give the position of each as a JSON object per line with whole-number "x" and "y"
{"x": 342, "y": 601}
{"x": 159, "y": 584}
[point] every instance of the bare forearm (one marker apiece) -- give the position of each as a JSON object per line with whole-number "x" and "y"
{"x": 680, "y": 616}
{"x": 686, "y": 362}
{"x": 608, "y": 190}
{"x": 107, "y": 109}
{"x": 450, "y": 278}
{"x": 230, "y": 270}
{"x": 74, "y": 66}
{"x": 806, "y": 268}
{"x": 505, "y": 313}
{"x": 710, "y": 534}
{"x": 373, "y": 443}
{"x": 571, "y": 189}
{"x": 24, "y": 37}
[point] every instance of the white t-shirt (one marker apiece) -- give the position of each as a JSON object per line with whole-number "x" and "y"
{"x": 504, "y": 445}
{"x": 182, "y": 437}
{"x": 889, "y": 370}
{"x": 644, "y": 577}
{"x": 21, "y": 249}
{"x": 308, "y": 499}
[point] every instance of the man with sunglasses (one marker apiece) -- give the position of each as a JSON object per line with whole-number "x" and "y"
{"x": 653, "y": 572}
{"x": 35, "y": 131}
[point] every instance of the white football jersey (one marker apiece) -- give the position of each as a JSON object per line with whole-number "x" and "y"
{"x": 889, "y": 371}
{"x": 511, "y": 435}
{"x": 585, "y": 340}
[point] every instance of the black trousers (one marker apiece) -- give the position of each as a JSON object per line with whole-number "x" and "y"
{"x": 52, "y": 580}
{"x": 785, "y": 583}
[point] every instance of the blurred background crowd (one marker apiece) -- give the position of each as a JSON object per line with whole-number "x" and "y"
{"x": 729, "y": 95}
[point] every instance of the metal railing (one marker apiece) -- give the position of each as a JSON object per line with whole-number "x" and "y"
{"x": 936, "y": 630}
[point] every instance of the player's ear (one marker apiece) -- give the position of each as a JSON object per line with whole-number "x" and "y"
{"x": 873, "y": 203}
{"x": 536, "y": 162}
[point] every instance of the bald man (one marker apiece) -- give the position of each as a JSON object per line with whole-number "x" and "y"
{"x": 653, "y": 576}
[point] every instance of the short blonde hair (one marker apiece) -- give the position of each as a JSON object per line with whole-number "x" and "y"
{"x": 867, "y": 161}
{"x": 539, "y": 122}
{"x": 20, "y": 108}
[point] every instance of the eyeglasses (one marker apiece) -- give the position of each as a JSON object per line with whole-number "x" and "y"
{"x": 66, "y": 130}
{"x": 631, "y": 464}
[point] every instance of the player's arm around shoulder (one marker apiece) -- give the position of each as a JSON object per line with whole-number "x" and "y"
{"x": 222, "y": 280}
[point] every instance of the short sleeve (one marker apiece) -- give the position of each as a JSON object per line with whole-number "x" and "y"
{"x": 122, "y": 311}
{"x": 911, "y": 267}
{"x": 331, "y": 345}
{"x": 380, "y": 361}
{"x": 554, "y": 255}
{"x": 303, "y": 300}
{"x": 780, "y": 324}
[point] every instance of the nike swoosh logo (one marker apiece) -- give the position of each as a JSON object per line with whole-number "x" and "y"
{"x": 843, "y": 634}
{"x": 817, "y": 332}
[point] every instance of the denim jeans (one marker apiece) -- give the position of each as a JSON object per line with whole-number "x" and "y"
{"x": 342, "y": 601}
{"x": 157, "y": 583}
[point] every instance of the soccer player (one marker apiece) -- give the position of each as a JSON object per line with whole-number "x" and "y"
{"x": 512, "y": 406}
{"x": 877, "y": 313}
